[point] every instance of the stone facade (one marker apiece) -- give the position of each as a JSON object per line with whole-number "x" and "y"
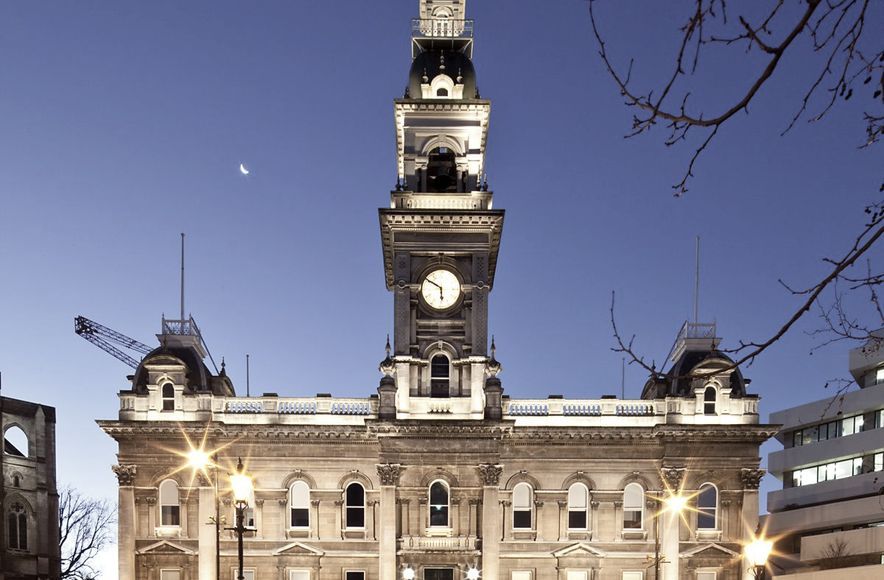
{"x": 440, "y": 476}
{"x": 29, "y": 533}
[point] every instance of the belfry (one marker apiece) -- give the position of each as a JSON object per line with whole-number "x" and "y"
{"x": 440, "y": 234}
{"x": 438, "y": 475}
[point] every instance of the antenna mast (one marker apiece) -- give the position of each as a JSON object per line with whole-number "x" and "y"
{"x": 248, "y": 393}
{"x": 697, "y": 284}
{"x": 182, "y": 277}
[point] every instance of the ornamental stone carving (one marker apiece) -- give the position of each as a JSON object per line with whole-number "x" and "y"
{"x": 389, "y": 473}
{"x": 751, "y": 478}
{"x": 490, "y": 474}
{"x": 125, "y": 474}
{"x": 672, "y": 477}
{"x": 203, "y": 480}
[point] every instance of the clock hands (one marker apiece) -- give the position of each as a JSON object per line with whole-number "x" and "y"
{"x": 441, "y": 293}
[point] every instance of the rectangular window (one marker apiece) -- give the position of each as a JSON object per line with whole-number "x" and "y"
{"x": 577, "y": 575}
{"x": 521, "y": 575}
{"x": 300, "y": 517}
{"x": 354, "y": 575}
{"x": 797, "y": 440}
{"x": 247, "y": 574}
{"x": 879, "y": 462}
{"x": 705, "y": 575}
{"x": 299, "y": 574}
{"x": 633, "y": 575}
{"x": 879, "y": 376}
{"x": 522, "y": 519}
{"x": 576, "y": 519}
{"x": 170, "y": 574}
{"x": 170, "y": 515}
{"x": 438, "y": 574}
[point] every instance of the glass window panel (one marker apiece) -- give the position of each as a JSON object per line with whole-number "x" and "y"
{"x": 847, "y": 426}
{"x": 577, "y": 575}
{"x": 857, "y": 465}
{"x": 797, "y": 438}
{"x": 299, "y": 574}
{"x": 522, "y": 519}
{"x": 633, "y": 575}
{"x": 522, "y": 497}
{"x": 577, "y": 494}
{"x": 808, "y": 476}
{"x": 577, "y": 519}
{"x": 354, "y": 575}
{"x": 705, "y": 575}
{"x": 858, "y": 423}
{"x": 879, "y": 461}
{"x": 170, "y": 574}
{"x": 707, "y": 502}
{"x": 438, "y": 504}
{"x": 521, "y": 575}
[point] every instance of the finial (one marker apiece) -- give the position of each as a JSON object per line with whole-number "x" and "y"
{"x": 425, "y": 78}
{"x": 387, "y": 365}
{"x": 441, "y": 62}
{"x": 459, "y": 76}
{"x": 407, "y": 92}
{"x": 492, "y": 366}
{"x": 493, "y": 347}
{"x": 223, "y": 364}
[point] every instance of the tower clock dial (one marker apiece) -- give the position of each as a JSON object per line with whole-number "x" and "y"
{"x": 440, "y": 289}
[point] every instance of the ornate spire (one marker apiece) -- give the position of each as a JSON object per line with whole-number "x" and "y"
{"x": 492, "y": 366}
{"x": 387, "y": 365}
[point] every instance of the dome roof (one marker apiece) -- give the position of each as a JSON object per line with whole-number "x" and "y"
{"x": 198, "y": 376}
{"x": 431, "y": 63}
{"x": 677, "y": 381}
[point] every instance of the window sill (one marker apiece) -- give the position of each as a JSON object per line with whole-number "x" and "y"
{"x": 579, "y": 534}
{"x": 438, "y": 532}
{"x": 168, "y": 532}
{"x": 354, "y": 533}
{"x": 297, "y": 533}
{"x": 524, "y": 534}
{"x": 634, "y": 534}
{"x": 709, "y": 535}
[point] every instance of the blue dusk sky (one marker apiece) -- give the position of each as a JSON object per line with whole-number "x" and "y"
{"x": 123, "y": 123}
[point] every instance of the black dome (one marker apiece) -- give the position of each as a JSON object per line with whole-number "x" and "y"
{"x": 677, "y": 382}
{"x": 430, "y": 63}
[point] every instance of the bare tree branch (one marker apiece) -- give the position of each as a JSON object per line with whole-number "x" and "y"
{"x": 85, "y": 526}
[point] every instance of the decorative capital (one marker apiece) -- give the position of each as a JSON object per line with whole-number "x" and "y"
{"x": 672, "y": 477}
{"x": 618, "y": 503}
{"x": 151, "y": 500}
{"x": 751, "y": 478}
{"x": 475, "y": 501}
{"x": 125, "y": 474}
{"x": 314, "y": 502}
{"x": 282, "y": 500}
{"x": 594, "y": 504}
{"x": 389, "y": 473}
{"x": 259, "y": 501}
{"x": 562, "y": 503}
{"x": 490, "y": 473}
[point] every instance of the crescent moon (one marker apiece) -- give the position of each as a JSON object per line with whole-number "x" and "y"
{"x": 242, "y": 169}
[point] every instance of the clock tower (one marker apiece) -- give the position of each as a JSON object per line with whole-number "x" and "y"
{"x": 440, "y": 234}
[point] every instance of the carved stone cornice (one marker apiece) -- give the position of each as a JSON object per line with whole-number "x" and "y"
{"x": 490, "y": 474}
{"x": 751, "y": 478}
{"x": 125, "y": 474}
{"x": 389, "y": 473}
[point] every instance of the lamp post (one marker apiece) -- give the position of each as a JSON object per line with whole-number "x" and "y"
{"x": 671, "y": 503}
{"x": 241, "y": 484}
{"x": 757, "y": 552}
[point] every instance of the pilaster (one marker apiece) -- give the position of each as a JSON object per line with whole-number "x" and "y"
{"x": 207, "y": 540}
{"x": 389, "y": 475}
{"x": 491, "y": 522}
{"x": 126, "y": 520}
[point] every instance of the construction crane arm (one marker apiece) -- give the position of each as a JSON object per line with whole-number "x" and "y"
{"x": 104, "y": 337}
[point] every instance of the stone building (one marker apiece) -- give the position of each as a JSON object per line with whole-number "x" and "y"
{"x": 29, "y": 534}
{"x": 439, "y": 476}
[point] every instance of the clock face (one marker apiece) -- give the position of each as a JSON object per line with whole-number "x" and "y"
{"x": 440, "y": 289}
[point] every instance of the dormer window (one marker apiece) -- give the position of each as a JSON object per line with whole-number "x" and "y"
{"x": 168, "y": 397}
{"x": 709, "y": 401}
{"x": 441, "y": 92}
{"x": 440, "y": 376}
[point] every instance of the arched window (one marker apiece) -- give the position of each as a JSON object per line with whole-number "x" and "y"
{"x": 299, "y": 505}
{"x": 707, "y": 507}
{"x": 168, "y": 397}
{"x": 440, "y": 376}
{"x": 523, "y": 500}
{"x": 170, "y": 511}
{"x": 354, "y": 502}
{"x": 441, "y": 92}
{"x": 441, "y": 171}
{"x": 709, "y": 401}
{"x": 578, "y": 503}
{"x": 439, "y": 504}
{"x": 15, "y": 442}
{"x": 633, "y": 507}
{"x": 17, "y": 527}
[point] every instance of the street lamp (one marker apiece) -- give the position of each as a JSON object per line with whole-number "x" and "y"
{"x": 408, "y": 573}
{"x": 473, "y": 573}
{"x": 241, "y": 484}
{"x": 673, "y": 503}
{"x": 757, "y": 552}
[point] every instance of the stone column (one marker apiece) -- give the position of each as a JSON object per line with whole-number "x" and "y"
{"x": 670, "y": 526}
{"x": 490, "y": 476}
{"x": 751, "y": 479}
{"x": 126, "y": 521}
{"x": 208, "y": 549}
{"x": 563, "y": 519}
{"x": 389, "y": 474}
{"x": 285, "y": 518}
{"x": 259, "y": 518}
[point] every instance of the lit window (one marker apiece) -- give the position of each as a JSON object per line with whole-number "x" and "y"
{"x": 521, "y": 575}
{"x": 879, "y": 462}
{"x": 170, "y": 574}
{"x": 707, "y": 507}
{"x": 15, "y": 442}
{"x": 439, "y": 504}
{"x": 633, "y": 575}
{"x": 299, "y": 504}
{"x": 168, "y": 397}
{"x": 879, "y": 376}
{"x": 709, "y": 401}
{"x": 705, "y": 575}
{"x": 299, "y": 574}
{"x": 439, "y": 376}
{"x": 17, "y": 527}
{"x": 577, "y": 575}
{"x": 577, "y": 507}
{"x": 355, "y": 506}
{"x": 522, "y": 501}
{"x": 633, "y": 506}
{"x": 170, "y": 511}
